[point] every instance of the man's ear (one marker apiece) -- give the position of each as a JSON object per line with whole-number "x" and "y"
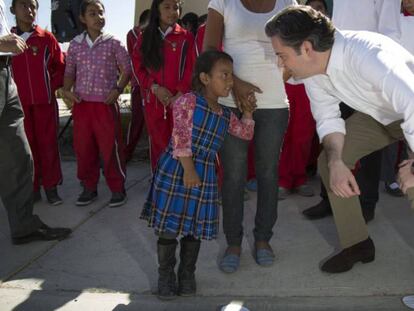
{"x": 307, "y": 48}
{"x": 12, "y": 10}
{"x": 204, "y": 78}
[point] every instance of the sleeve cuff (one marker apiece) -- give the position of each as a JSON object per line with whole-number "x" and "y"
{"x": 182, "y": 153}
{"x": 330, "y": 126}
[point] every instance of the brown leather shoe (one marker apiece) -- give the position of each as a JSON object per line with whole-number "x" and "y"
{"x": 363, "y": 251}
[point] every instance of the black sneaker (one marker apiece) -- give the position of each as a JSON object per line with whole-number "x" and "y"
{"x": 53, "y": 197}
{"x": 86, "y": 197}
{"x": 37, "y": 197}
{"x": 118, "y": 199}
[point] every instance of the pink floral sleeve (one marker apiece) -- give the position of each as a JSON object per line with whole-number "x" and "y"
{"x": 241, "y": 128}
{"x": 183, "y": 110}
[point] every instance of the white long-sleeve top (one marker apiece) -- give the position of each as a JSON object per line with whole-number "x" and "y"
{"x": 372, "y": 74}
{"x": 382, "y": 16}
{"x": 407, "y": 32}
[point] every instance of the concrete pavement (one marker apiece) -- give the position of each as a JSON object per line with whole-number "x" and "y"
{"x": 110, "y": 263}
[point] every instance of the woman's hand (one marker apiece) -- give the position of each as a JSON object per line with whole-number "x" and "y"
{"x": 244, "y": 94}
{"x": 191, "y": 178}
{"x": 70, "y": 96}
{"x": 163, "y": 95}
{"x": 112, "y": 97}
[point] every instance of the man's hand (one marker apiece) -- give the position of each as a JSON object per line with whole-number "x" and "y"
{"x": 405, "y": 175}
{"x": 342, "y": 181}
{"x": 12, "y": 43}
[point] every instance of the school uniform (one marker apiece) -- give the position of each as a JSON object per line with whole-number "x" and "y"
{"x": 97, "y": 129}
{"x": 175, "y": 75}
{"x": 199, "y": 133}
{"x": 137, "y": 113}
{"x": 38, "y": 73}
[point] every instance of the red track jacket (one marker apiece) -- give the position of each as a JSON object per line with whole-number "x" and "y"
{"x": 179, "y": 58}
{"x": 38, "y": 72}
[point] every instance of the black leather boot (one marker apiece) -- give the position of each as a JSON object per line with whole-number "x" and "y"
{"x": 363, "y": 251}
{"x": 190, "y": 248}
{"x": 320, "y": 210}
{"x": 167, "y": 288}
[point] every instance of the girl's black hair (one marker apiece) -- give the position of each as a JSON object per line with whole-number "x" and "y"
{"x": 85, "y": 3}
{"x": 151, "y": 48}
{"x": 13, "y": 4}
{"x": 205, "y": 63}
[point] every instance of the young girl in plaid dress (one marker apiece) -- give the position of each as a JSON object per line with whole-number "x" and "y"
{"x": 183, "y": 199}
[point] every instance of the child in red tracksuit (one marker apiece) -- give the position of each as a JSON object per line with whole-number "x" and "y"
{"x": 137, "y": 113}
{"x": 93, "y": 61}
{"x": 38, "y": 72}
{"x": 163, "y": 61}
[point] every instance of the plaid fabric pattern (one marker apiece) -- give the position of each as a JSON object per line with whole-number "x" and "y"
{"x": 172, "y": 208}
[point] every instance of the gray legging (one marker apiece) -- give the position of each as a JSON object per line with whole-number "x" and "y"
{"x": 270, "y": 127}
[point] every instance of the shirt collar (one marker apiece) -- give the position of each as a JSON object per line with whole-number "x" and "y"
{"x": 337, "y": 53}
{"x": 164, "y": 34}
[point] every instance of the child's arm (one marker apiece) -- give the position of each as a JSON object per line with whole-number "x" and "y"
{"x": 68, "y": 84}
{"x": 124, "y": 64}
{"x": 57, "y": 65}
{"x": 190, "y": 178}
{"x": 242, "y": 128}
{"x": 70, "y": 76}
{"x": 183, "y": 110}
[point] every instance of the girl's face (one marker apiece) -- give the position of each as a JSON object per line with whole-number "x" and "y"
{"x": 219, "y": 81}
{"x": 25, "y": 11}
{"x": 318, "y": 6}
{"x": 94, "y": 17}
{"x": 169, "y": 13}
{"x": 409, "y": 6}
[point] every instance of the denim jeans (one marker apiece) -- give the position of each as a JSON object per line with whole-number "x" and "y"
{"x": 270, "y": 127}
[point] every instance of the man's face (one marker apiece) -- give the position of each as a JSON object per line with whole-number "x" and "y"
{"x": 297, "y": 64}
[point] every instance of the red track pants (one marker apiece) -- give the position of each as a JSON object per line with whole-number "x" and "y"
{"x": 97, "y": 135}
{"x": 41, "y": 126}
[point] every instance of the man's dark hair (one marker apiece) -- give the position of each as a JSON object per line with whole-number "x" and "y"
{"x": 300, "y": 23}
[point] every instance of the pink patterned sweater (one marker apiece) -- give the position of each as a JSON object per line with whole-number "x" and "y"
{"x": 183, "y": 109}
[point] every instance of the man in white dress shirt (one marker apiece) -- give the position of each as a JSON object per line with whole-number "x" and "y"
{"x": 381, "y": 16}
{"x": 16, "y": 187}
{"x": 372, "y": 74}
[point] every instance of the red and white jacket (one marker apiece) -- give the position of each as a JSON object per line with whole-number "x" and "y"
{"x": 132, "y": 38}
{"x": 38, "y": 72}
{"x": 179, "y": 58}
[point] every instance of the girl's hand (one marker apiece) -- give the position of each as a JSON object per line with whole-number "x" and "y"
{"x": 70, "y": 96}
{"x": 163, "y": 95}
{"x": 247, "y": 115}
{"x": 191, "y": 178}
{"x": 112, "y": 97}
{"x": 244, "y": 94}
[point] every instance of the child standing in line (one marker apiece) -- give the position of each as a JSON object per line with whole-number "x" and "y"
{"x": 163, "y": 62}
{"x": 137, "y": 112}
{"x": 93, "y": 61}
{"x": 183, "y": 199}
{"x": 38, "y": 73}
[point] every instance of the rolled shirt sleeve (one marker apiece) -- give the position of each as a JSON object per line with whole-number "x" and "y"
{"x": 325, "y": 110}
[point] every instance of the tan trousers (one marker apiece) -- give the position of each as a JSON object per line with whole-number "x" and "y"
{"x": 363, "y": 136}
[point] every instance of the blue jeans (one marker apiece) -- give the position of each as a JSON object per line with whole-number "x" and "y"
{"x": 270, "y": 127}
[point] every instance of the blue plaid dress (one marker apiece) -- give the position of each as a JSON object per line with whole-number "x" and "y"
{"x": 172, "y": 208}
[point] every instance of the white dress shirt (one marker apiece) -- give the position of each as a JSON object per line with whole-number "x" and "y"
{"x": 370, "y": 73}
{"x": 381, "y": 16}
